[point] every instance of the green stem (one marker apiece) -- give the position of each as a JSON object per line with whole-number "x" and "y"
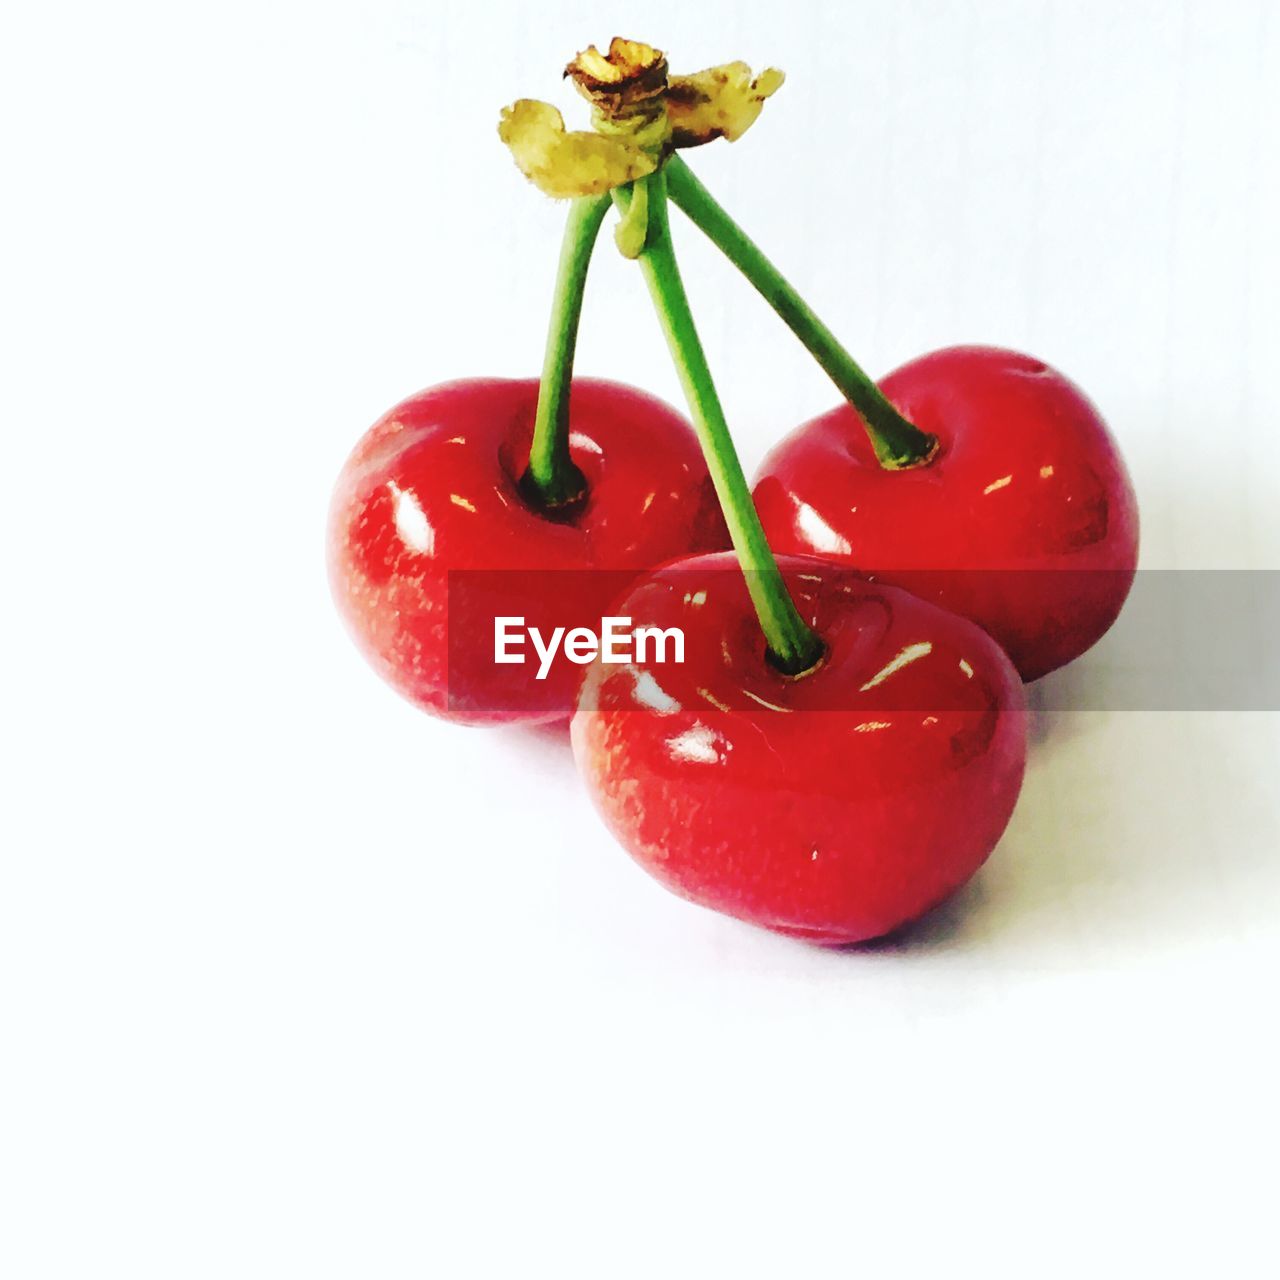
{"x": 897, "y": 442}
{"x": 552, "y": 479}
{"x": 793, "y": 644}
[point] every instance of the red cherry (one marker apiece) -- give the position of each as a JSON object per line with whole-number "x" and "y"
{"x": 832, "y": 806}
{"x": 1024, "y": 520}
{"x": 430, "y": 537}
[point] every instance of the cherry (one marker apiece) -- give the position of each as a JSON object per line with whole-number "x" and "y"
{"x": 835, "y": 805}
{"x": 433, "y": 534}
{"x": 977, "y": 477}
{"x": 1023, "y": 519}
{"x": 831, "y": 757}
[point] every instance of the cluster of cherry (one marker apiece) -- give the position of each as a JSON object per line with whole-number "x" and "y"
{"x": 844, "y": 741}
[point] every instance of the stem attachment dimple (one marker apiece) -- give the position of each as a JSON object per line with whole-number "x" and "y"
{"x": 897, "y": 442}
{"x": 794, "y": 646}
{"x": 553, "y": 480}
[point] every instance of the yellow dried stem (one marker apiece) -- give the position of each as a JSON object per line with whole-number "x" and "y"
{"x": 721, "y": 102}
{"x": 639, "y": 114}
{"x": 564, "y": 164}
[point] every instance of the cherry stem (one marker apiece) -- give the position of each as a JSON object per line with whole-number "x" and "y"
{"x": 553, "y": 479}
{"x": 793, "y": 645}
{"x": 897, "y": 442}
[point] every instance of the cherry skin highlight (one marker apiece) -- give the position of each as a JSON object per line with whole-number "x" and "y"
{"x": 1025, "y": 519}
{"x": 431, "y": 536}
{"x": 833, "y": 806}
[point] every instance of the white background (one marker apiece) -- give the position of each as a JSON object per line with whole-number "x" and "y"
{"x": 295, "y": 981}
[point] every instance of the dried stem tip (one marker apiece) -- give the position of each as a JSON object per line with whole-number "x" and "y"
{"x": 639, "y": 114}
{"x": 629, "y": 77}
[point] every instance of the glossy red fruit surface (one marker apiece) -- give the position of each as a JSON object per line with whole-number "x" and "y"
{"x": 834, "y": 806}
{"x": 430, "y": 537}
{"x": 1025, "y": 520}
